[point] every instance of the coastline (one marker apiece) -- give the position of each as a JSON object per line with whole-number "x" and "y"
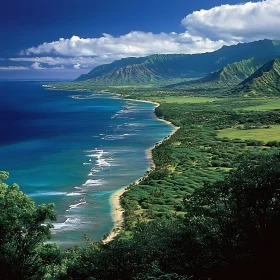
{"x": 116, "y": 208}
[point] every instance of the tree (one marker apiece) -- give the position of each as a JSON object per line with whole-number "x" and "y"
{"x": 23, "y": 228}
{"x": 238, "y": 218}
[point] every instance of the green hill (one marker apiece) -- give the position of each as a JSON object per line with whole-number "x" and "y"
{"x": 265, "y": 81}
{"x": 234, "y": 73}
{"x": 130, "y": 74}
{"x": 231, "y": 74}
{"x": 161, "y": 67}
{"x": 108, "y": 68}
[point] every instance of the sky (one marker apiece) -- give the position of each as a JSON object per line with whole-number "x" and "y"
{"x": 59, "y": 39}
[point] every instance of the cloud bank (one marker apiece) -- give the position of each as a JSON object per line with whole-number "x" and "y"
{"x": 10, "y": 68}
{"x": 243, "y": 22}
{"x": 36, "y": 65}
{"x": 80, "y": 52}
{"x": 135, "y": 43}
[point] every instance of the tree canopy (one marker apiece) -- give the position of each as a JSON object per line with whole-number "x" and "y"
{"x": 23, "y": 228}
{"x": 238, "y": 218}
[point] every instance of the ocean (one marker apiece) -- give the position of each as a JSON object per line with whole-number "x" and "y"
{"x": 74, "y": 149}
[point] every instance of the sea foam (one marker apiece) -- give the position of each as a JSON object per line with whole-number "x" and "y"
{"x": 47, "y": 193}
{"x": 91, "y": 182}
{"x": 74, "y": 194}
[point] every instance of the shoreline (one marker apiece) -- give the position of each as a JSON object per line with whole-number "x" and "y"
{"x": 116, "y": 208}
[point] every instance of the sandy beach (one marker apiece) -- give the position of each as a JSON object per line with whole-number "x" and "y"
{"x": 117, "y": 210}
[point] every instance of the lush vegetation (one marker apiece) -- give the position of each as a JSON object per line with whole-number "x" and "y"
{"x": 265, "y": 80}
{"x": 23, "y": 229}
{"x": 230, "y": 231}
{"x": 231, "y": 74}
{"x": 209, "y": 210}
{"x": 196, "y": 154}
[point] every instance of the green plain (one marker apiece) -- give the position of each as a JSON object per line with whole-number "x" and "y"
{"x": 271, "y": 104}
{"x": 183, "y": 99}
{"x": 261, "y": 134}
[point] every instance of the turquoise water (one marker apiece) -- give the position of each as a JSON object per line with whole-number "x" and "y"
{"x": 74, "y": 149}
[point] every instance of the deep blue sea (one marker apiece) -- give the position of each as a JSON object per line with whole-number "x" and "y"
{"x": 74, "y": 149}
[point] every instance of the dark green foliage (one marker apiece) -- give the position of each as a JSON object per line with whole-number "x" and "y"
{"x": 188, "y": 218}
{"x": 156, "y": 250}
{"x": 254, "y": 143}
{"x": 230, "y": 232}
{"x": 273, "y": 144}
{"x": 181, "y": 221}
{"x": 193, "y": 156}
{"x": 238, "y": 218}
{"x": 23, "y": 228}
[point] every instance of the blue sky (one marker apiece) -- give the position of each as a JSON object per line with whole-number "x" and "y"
{"x": 62, "y": 39}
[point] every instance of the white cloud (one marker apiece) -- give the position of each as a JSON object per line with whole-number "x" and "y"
{"x": 90, "y": 52}
{"x": 58, "y": 67}
{"x": 84, "y": 61}
{"x": 13, "y": 67}
{"x": 135, "y": 43}
{"x": 244, "y": 22}
{"x": 77, "y": 66}
{"x": 36, "y": 65}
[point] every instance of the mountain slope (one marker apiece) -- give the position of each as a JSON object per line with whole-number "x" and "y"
{"x": 234, "y": 73}
{"x": 130, "y": 74}
{"x": 108, "y": 68}
{"x": 168, "y": 66}
{"x": 266, "y": 80}
{"x": 231, "y": 74}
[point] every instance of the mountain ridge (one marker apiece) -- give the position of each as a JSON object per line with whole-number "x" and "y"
{"x": 158, "y": 67}
{"x": 231, "y": 74}
{"x": 266, "y": 80}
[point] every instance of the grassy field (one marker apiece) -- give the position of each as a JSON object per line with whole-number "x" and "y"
{"x": 183, "y": 99}
{"x": 270, "y": 104}
{"x": 261, "y": 134}
{"x": 132, "y": 87}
